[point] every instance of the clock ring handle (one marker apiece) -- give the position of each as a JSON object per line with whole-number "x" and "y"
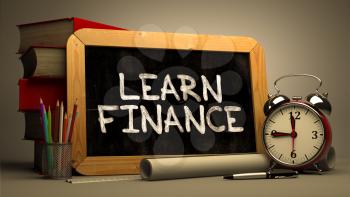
{"x": 297, "y": 75}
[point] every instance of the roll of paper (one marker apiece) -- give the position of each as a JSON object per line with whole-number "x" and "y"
{"x": 201, "y": 166}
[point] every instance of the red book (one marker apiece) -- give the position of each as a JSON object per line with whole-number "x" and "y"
{"x": 54, "y": 32}
{"x": 49, "y": 89}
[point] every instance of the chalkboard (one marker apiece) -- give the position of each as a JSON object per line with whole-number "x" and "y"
{"x": 140, "y": 97}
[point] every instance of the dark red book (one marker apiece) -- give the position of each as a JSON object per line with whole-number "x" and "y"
{"x": 54, "y": 32}
{"x": 49, "y": 89}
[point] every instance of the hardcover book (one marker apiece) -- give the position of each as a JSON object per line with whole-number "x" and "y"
{"x": 54, "y": 32}
{"x": 44, "y": 62}
{"x": 48, "y": 89}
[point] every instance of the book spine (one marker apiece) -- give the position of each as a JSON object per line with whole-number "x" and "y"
{"x": 32, "y": 89}
{"x": 33, "y": 129}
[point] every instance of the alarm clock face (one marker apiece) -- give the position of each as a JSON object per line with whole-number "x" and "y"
{"x": 294, "y": 135}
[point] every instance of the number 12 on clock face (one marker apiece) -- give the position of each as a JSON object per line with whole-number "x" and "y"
{"x": 294, "y": 134}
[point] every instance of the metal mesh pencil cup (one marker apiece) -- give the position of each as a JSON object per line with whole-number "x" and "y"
{"x": 57, "y": 161}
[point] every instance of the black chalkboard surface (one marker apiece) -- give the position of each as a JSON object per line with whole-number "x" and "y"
{"x": 151, "y": 94}
{"x": 103, "y": 64}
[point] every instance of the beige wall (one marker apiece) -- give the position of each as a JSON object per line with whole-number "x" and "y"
{"x": 298, "y": 36}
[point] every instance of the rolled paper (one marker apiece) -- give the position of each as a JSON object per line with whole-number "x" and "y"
{"x": 201, "y": 166}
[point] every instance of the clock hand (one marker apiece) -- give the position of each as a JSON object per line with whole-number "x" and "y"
{"x": 292, "y": 121}
{"x": 279, "y": 134}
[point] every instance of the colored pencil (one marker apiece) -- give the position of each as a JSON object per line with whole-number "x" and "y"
{"x": 42, "y": 124}
{"x": 49, "y": 125}
{"x": 61, "y": 123}
{"x": 42, "y": 113}
{"x": 65, "y": 124}
{"x": 46, "y": 133}
{"x": 57, "y": 122}
{"x": 45, "y": 124}
{"x": 68, "y": 128}
{"x": 72, "y": 126}
{"x": 74, "y": 114}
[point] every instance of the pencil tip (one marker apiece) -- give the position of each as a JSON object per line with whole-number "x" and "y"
{"x": 41, "y": 100}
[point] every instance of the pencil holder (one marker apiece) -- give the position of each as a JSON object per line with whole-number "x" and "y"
{"x": 58, "y": 161}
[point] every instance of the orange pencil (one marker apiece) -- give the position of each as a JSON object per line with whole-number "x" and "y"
{"x": 65, "y": 125}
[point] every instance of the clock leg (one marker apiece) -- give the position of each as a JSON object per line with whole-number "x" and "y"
{"x": 273, "y": 165}
{"x": 318, "y": 169}
{"x": 315, "y": 169}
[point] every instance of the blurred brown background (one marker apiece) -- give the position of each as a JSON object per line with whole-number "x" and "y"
{"x": 298, "y": 37}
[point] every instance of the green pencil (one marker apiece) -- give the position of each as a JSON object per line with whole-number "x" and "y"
{"x": 49, "y": 124}
{"x": 47, "y": 137}
{"x": 43, "y": 114}
{"x": 46, "y": 126}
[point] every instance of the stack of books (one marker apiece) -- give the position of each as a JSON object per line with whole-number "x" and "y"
{"x": 43, "y": 55}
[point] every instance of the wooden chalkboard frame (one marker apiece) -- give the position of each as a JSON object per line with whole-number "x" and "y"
{"x": 104, "y": 165}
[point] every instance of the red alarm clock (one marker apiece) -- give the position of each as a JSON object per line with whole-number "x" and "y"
{"x": 297, "y": 133}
